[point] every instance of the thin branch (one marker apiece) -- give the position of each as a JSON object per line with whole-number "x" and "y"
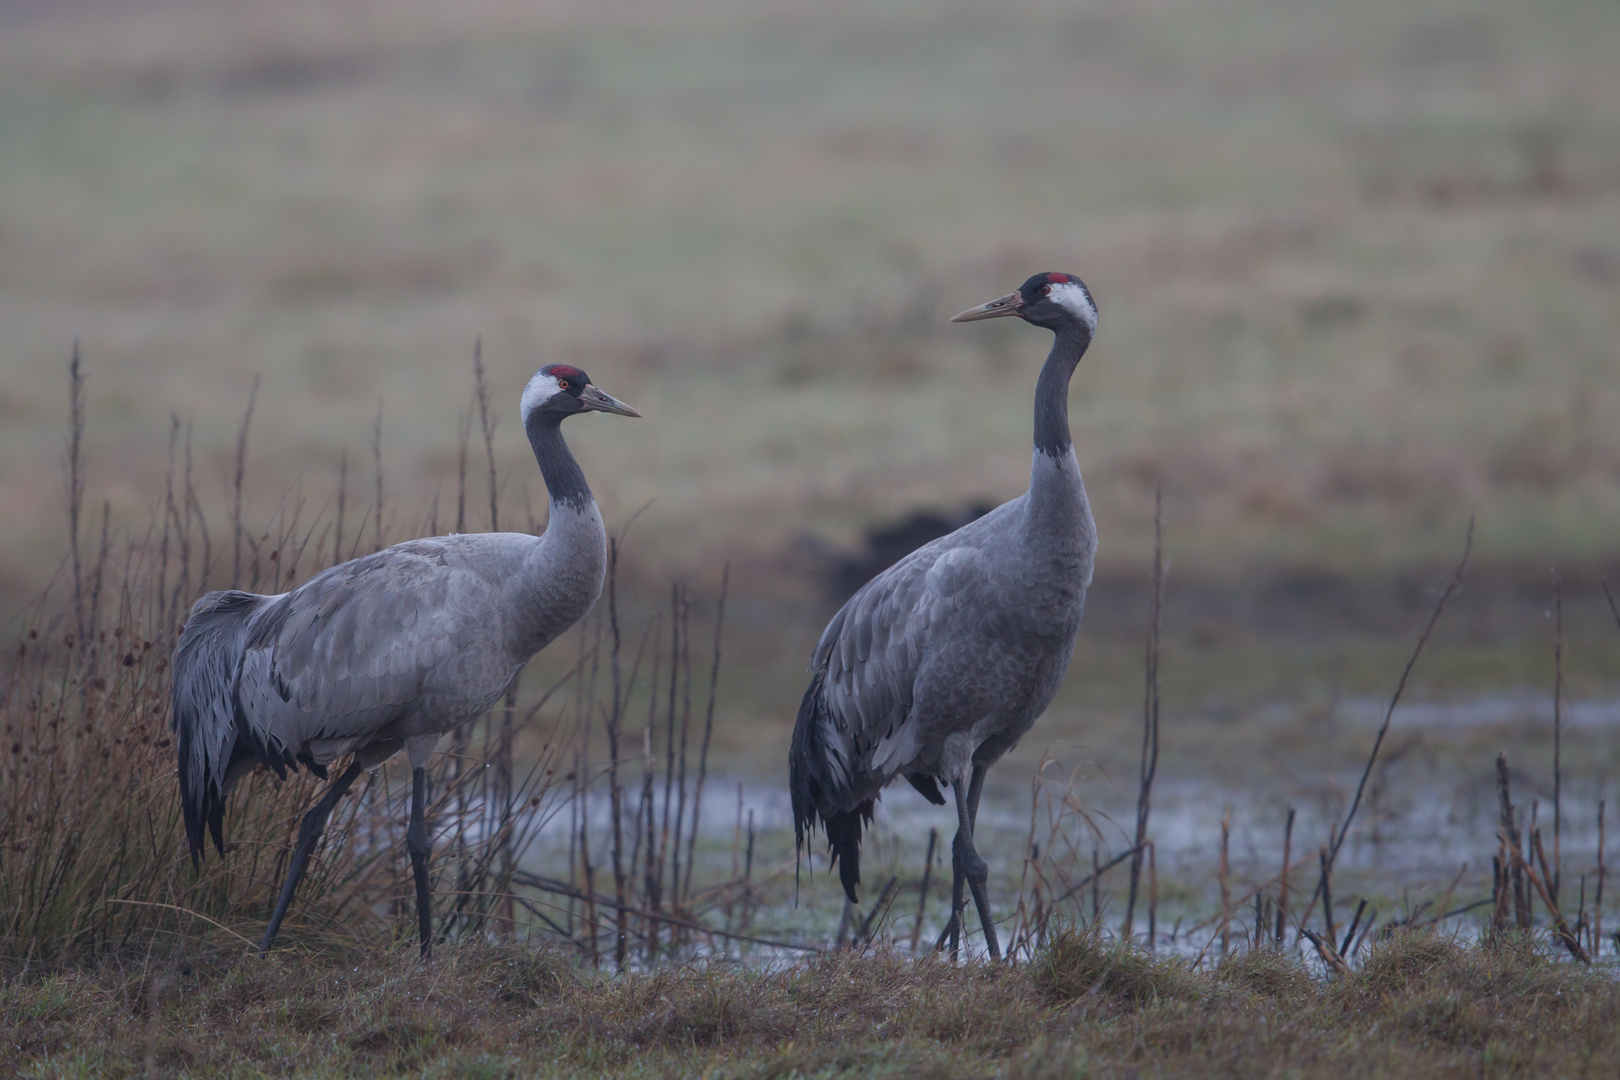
{"x": 1389, "y": 714}
{"x": 236, "y": 485}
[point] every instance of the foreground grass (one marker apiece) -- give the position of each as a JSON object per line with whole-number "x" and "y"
{"x": 1419, "y": 1004}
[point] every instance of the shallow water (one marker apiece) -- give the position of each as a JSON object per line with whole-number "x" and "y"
{"x": 1425, "y": 832}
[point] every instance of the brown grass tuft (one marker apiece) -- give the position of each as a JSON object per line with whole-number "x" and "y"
{"x": 1269, "y": 972}
{"x": 1081, "y": 963}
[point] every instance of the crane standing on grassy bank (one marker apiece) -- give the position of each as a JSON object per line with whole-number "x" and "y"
{"x": 385, "y": 652}
{"x": 939, "y": 665}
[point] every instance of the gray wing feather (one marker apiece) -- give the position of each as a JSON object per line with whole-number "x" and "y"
{"x": 874, "y": 647}
{"x": 345, "y": 653}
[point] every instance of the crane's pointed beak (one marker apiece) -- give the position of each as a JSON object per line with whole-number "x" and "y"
{"x": 596, "y": 401}
{"x": 1000, "y": 307}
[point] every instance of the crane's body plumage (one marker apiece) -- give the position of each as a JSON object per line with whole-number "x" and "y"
{"x": 388, "y": 651}
{"x": 939, "y": 665}
{"x": 999, "y": 600}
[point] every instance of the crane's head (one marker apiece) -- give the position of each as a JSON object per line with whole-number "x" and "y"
{"x": 562, "y": 390}
{"x": 1055, "y": 301}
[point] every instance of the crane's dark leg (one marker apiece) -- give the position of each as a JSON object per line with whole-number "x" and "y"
{"x": 308, "y": 832}
{"x": 975, "y": 869}
{"x": 953, "y": 930}
{"x": 420, "y": 847}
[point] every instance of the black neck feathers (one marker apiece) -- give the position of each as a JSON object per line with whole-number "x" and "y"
{"x": 1052, "y": 390}
{"x": 565, "y": 482}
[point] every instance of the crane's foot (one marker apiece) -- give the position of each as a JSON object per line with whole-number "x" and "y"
{"x": 977, "y": 874}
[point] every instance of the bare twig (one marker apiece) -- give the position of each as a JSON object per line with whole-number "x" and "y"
{"x": 377, "y": 471}
{"x": 1282, "y": 881}
{"x": 1560, "y": 926}
{"x": 486, "y": 421}
{"x": 1613, "y": 608}
{"x": 236, "y": 485}
{"x": 1150, "y": 707}
{"x": 1094, "y": 875}
{"x": 922, "y": 891}
{"x": 1324, "y": 948}
{"x": 1226, "y": 897}
{"x": 75, "y": 485}
{"x": 1597, "y": 901}
{"x": 1558, "y": 736}
{"x": 544, "y": 884}
{"x": 1337, "y": 836}
{"x": 1350, "y": 935}
{"x": 870, "y": 925}
{"x": 708, "y": 722}
{"x": 342, "y": 498}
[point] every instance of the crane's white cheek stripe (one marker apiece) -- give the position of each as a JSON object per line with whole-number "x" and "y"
{"x": 1074, "y": 297}
{"x": 540, "y": 390}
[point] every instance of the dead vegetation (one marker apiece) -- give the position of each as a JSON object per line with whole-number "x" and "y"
{"x": 1418, "y": 1003}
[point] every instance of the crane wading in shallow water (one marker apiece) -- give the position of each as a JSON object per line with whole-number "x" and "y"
{"x": 385, "y": 652}
{"x": 940, "y": 664}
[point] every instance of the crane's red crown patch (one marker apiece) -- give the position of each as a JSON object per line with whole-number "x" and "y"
{"x": 1058, "y": 279}
{"x": 564, "y": 371}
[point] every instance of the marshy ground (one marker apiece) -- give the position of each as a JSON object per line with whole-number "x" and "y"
{"x": 1358, "y": 274}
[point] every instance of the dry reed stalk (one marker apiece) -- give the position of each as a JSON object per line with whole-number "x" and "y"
{"x": 873, "y": 921}
{"x": 1558, "y": 735}
{"x": 559, "y": 888}
{"x": 1324, "y": 888}
{"x": 708, "y": 721}
{"x": 1282, "y": 878}
{"x": 1095, "y": 874}
{"x": 1581, "y": 925}
{"x": 684, "y": 610}
{"x": 748, "y": 875}
{"x": 1226, "y": 896}
{"x": 1153, "y": 894}
{"x": 377, "y": 539}
{"x": 96, "y": 581}
{"x": 463, "y": 446}
{"x": 1325, "y": 949}
{"x": 342, "y": 495}
{"x": 1096, "y": 885}
{"x": 486, "y": 422}
{"x": 1597, "y": 900}
{"x": 75, "y": 484}
{"x": 236, "y": 484}
{"x": 1511, "y": 844}
{"x": 621, "y": 940}
{"x": 1613, "y": 608}
{"x": 1150, "y": 707}
{"x": 651, "y": 859}
{"x": 582, "y": 794}
{"x": 669, "y": 736}
{"x": 1565, "y": 935}
{"x": 1355, "y": 922}
{"x": 170, "y": 524}
{"x": 922, "y": 890}
{"x": 1336, "y": 837}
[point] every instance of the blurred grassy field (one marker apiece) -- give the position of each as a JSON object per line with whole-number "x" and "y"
{"x": 1358, "y": 264}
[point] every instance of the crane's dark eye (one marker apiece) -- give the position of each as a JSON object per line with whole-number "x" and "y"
{"x": 562, "y": 384}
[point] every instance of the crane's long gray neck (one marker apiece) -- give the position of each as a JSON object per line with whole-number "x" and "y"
{"x": 1059, "y": 515}
{"x": 1052, "y": 391}
{"x": 562, "y": 574}
{"x": 565, "y": 482}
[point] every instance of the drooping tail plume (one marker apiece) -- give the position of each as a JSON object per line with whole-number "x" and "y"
{"x": 203, "y": 710}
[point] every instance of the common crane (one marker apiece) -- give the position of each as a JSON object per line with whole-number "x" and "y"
{"x": 940, "y": 664}
{"x": 385, "y": 652}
